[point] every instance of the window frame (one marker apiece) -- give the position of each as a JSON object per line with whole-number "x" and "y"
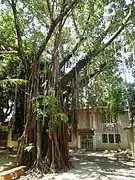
{"x": 114, "y": 138}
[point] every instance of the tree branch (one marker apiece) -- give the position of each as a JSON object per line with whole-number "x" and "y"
{"x": 101, "y": 68}
{"x": 75, "y": 25}
{"x": 118, "y": 31}
{"x": 91, "y": 54}
{"x": 81, "y": 39}
{"x": 52, "y": 28}
{"x": 9, "y": 110}
{"x": 49, "y": 9}
{"x": 8, "y": 45}
{"x": 18, "y": 32}
{"x": 17, "y": 27}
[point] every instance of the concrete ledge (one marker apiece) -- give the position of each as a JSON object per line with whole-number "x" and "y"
{"x": 12, "y": 173}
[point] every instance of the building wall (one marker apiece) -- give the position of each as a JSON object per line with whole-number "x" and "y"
{"x": 132, "y": 142}
{"x": 7, "y": 141}
{"x": 74, "y": 142}
{"x": 92, "y": 119}
{"x": 117, "y": 128}
{"x": 85, "y": 119}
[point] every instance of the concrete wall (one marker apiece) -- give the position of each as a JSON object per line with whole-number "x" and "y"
{"x": 9, "y": 142}
{"x": 117, "y": 129}
{"x": 74, "y": 142}
{"x": 85, "y": 119}
{"x": 92, "y": 119}
{"x": 132, "y": 135}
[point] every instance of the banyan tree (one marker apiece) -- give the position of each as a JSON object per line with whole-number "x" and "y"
{"x": 59, "y": 45}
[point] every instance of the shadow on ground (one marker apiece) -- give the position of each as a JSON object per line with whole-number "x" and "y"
{"x": 93, "y": 166}
{"x": 7, "y": 159}
{"x": 103, "y": 166}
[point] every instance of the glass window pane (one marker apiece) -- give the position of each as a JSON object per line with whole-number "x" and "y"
{"x": 117, "y": 138}
{"x": 111, "y": 138}
{"x": 104, "y": 138}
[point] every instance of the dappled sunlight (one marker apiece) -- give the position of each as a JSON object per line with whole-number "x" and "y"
{"x": 83, "y": 163}
{"x": 7, "y": 160}
{"x": 8, "y": 164}
{"x": 63, "y": 84}
{"x": 1, "y": 168}
{"x": 97, "y": 165}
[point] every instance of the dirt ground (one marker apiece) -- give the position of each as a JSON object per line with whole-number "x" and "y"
{"x": 7, "y": 159}
{"x": 94, "y": 166}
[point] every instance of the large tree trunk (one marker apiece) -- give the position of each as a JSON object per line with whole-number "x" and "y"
{"x": 39, "y": 142}
{"x": 41, "y": 145}
{"x": 49, "y": 142}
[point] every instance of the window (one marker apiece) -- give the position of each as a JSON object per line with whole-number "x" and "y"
{"x": 117, "y": 138}
{"x": 111, "y": 138}
{"x": 104, "y": 138}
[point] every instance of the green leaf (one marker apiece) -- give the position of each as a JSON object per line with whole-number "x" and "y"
{"x": 6, "y": 82}
{"x": 63, "y": 117}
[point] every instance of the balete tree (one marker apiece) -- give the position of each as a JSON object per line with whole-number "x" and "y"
{"x": 58, "y": 46}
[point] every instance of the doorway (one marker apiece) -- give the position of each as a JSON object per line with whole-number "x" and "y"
{"x": 86, "y": 141}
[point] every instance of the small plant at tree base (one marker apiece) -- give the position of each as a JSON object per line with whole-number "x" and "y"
{"x": 29, "y": 147}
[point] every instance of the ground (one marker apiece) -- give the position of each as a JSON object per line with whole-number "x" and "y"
{"x": 94, "y": 166}
{"x": 7, "y": 159}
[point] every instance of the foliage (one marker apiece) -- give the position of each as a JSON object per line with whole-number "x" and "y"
{"x": 58, "y": 44}
{"x": 63, "y": 117}
{"x": 6, "y": 82}
{"x": 86, "y": 36}
{"x": 106, "y": 90}
{"x": 48, "y": 107}
{"x": 131, "y": 99}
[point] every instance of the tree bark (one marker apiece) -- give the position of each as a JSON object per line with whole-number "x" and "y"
{"x": 39, "y": 141}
